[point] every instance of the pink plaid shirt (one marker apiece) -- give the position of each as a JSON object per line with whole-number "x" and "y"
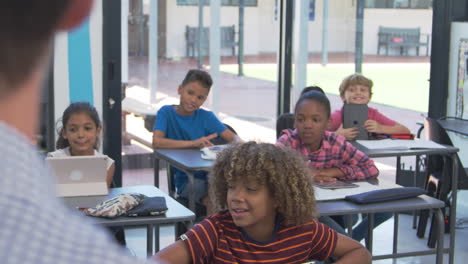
{"x": 335, "y": 152}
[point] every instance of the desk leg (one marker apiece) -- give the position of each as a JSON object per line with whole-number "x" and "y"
{"x": 398, "y": 169}
{"x": 453, "y": 208}
{"x": 156, "y": 170}
{"x": 370, "y": 232}
{"x": 415, "y": 183}
{"x": 349, "y": 224}
{"x": 440, "y": 236}
{"x": 156, "y": 238}
{"x": 191, "y": 196}
{"x": 191, "y": 190}
{"x": 395, "y": 232}
{"x": 149, "y": 240}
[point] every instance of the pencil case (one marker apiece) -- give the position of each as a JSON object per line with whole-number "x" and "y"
{"x": 385, "y": 195}
{"x": 116, "y": 206}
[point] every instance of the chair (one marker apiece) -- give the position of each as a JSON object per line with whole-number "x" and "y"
{"x": 221, "y": 141}
{"x": 439, "y": 176}
{"x": 284, "y": 121}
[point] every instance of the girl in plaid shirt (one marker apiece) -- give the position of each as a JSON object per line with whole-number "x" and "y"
{"x": 329, "y": 155}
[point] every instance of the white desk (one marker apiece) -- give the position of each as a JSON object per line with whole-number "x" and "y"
{"x": 341, "y": 207}
{"x": 189, "y": 161}
{"x": 175, "y": 213}
{"x": 449, "y": 151}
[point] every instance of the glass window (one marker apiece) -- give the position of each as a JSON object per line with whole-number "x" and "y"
{"x": 416, "y": 4}
{"x": 244, "y": 93}
{"x": 243, "y": 97}
{"x": 223, "y": 2}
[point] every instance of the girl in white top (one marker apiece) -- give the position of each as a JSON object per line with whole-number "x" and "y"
{"x": 79, "y": 135}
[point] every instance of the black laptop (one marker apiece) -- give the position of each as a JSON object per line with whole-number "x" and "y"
{"x": 354, "y": 115}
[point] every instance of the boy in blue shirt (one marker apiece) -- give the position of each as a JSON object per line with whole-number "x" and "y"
{"x": 188, "y": 126}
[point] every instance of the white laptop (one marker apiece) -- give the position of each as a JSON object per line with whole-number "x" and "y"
{"x": 79, "y": 175}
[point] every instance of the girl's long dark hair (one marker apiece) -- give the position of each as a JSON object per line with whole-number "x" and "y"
{"x": 74, "y": 108}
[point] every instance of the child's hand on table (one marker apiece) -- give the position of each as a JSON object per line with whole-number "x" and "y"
{"x": 204, "y": 141}
{"x": 321, "y": 175}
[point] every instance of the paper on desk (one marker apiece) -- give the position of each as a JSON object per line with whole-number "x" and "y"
{"x": 209, "y": 153}
{"x": 396, "y": 144}
{"x": 339, "y": 194}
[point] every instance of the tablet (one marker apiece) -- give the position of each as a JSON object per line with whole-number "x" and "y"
{"x": 354, "y": 115}
{"x": 79, "y": 175}
{"x": 336, "y": 185}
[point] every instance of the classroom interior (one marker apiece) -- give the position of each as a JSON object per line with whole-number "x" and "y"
{"x": 280, "y": 47}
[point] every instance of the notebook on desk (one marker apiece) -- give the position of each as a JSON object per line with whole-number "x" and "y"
{"x": 79, "y": 175}
{"x": 209, "y": 153}
{"x": 354, "y": 115}
{"x": 399, "y": 144}
{"x": 339, "y": 194}
{"x": 336, "y": 185}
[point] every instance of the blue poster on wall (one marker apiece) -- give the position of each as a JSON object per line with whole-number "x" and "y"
{"x": 312, "y": 10}
{"x": 79, "y": 64}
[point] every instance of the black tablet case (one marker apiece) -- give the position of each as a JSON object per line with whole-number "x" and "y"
{"x": 149, "y": 207}
{"x": 354, "y": 115}
{"x": 385, "y": 195}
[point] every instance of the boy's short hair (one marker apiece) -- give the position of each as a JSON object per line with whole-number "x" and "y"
{"x": 281, "y": 169}
{"x": 195, "y": 75}
{"x": 354, "y": 79}
{"x": 26, "y": 29}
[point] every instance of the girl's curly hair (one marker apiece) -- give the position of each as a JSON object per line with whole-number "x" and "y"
{"x": 281, "y": 169}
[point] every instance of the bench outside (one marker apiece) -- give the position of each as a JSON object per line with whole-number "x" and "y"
{"x": 228, "y": 34}
{"x": 403, "y": 38}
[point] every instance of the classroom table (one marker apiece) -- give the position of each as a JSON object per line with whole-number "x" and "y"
{"x": 449, "y": 151}
{"x": 175, "y": 213}
{"x": 342, "y": 207}
{"x": 187, "y": 160}
{"x": 456, "y": 125}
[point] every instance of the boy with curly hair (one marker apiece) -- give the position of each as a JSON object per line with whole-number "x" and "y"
{"x": 267, "y": 213}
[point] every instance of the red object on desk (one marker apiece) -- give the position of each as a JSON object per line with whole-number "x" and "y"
{"x": 402, "y": 136}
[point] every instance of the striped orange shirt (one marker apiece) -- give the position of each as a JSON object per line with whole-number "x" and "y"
{"x": 218, "y": 240}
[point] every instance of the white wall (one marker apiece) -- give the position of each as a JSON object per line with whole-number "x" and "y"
{"x": 261, "y": 28}
{"x": 256, "y": 19}
{"x": 394, "y": 18}
{"x": 341, "y": 27}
